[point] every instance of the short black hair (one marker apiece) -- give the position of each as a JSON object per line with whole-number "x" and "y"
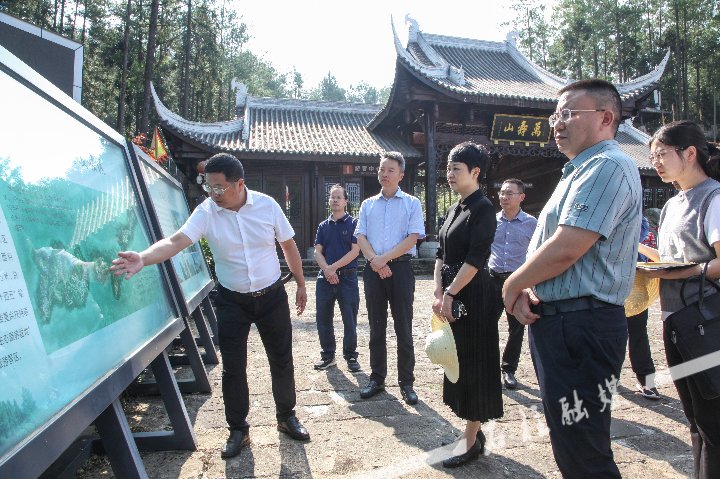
{"x": 603, "y": 92}
{"x": 515, "y": 181}
{"x": 394, "y": 155}
{"x": 474, "y": 156}
{"x": 336, "y": 186}
{"x": 228, "y": 165}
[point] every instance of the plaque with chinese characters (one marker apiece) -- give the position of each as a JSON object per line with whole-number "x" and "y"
{"x": 362, "y": 170}
{"x": 527, "y": 129}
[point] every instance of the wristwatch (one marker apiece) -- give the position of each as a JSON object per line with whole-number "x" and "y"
{"x": 449, "y": 294}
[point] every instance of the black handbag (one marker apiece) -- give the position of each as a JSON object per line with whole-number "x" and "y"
{"x": 695, "y": 331}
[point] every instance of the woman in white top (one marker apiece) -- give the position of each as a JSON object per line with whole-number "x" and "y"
{"x": 689, "y": 232}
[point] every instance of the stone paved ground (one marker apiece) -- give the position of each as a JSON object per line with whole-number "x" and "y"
{"x": 382, "y": 437}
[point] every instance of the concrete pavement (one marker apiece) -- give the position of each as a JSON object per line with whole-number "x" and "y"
{"x": 382, "y": 437}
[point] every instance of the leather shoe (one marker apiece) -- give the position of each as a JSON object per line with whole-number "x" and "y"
{"x": 408, "y": 395}
{"x": 480, "y": 437}
{"x": 235, "y": 443}
{"x": 509, "y": 379}
{"x": 371, "y": 389}
{"x": 471, "y": 454}
{"x": 294, "y": 429}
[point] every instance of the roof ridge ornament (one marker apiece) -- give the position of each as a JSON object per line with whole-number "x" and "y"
{"x": 241, "y": 92}
{"x": 512, "y": 37}
{"x": 414, "y": 28}
{"x": 456, "y": 75}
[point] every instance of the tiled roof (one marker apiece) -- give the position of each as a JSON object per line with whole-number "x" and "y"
{"x": 634, "y": 143}
{"x": 273, "y": 125}
{"x": 495, "y": 69}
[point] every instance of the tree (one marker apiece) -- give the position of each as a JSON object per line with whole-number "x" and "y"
{"x": 329, "y": 90}
{"x": 362, "y": 93}
{"x": 297, "y": 84}
{"x": 123, "y": 82}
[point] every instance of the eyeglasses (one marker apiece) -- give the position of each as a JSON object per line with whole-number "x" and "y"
{"x": 338, "y": 198}
{"x": 658, "y": 155}
{"x": 210, "y": 190}
{"x": 564, "y": 115}
{"x": 507, "y": 194}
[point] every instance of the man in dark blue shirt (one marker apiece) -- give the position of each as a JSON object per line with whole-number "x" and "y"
{"x": 336, "y": 252}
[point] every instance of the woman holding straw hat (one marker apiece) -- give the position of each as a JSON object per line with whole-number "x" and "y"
{"x": 465, "y": 239}
{"x": 689, "y": 232}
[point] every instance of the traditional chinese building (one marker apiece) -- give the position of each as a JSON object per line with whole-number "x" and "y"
{"x": 446, "y": 90}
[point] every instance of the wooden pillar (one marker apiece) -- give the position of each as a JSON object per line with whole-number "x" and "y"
{"x": 430, "y": 173}
{"x": 312, "y": 175}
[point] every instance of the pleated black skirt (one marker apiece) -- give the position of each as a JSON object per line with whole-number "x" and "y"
{"x": 477, "y": 395}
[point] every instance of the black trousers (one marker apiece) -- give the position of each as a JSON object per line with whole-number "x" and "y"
{"x": 271, "y": 315}
{"x": 639, "y": 346}
{"x": 702, "y": 414}
{"x": 578, "y": 356}
{"x": 516, "y": 331}
{"x": 398, "y": 290}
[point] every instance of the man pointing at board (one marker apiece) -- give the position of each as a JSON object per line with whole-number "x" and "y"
{"x": 241, "y": 227}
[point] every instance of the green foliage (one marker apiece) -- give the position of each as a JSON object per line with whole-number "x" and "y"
{"x": 620, "y": 40}
{"x": 209, "y": 258}
{"x": 218, "y": 55}
{"x": 13, "y": 416}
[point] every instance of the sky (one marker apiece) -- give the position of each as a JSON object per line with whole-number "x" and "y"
{"x": 353, "y": 40}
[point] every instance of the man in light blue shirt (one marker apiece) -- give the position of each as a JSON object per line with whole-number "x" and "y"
{"x": 514, "y": 230}
{"x": 390, "y": 225}
{"x": 580, "y": 268}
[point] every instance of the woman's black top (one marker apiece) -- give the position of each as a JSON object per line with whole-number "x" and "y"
{"x": 469, "y": 229}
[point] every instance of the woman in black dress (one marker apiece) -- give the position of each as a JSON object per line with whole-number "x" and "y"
{"x": 460, "y": 275}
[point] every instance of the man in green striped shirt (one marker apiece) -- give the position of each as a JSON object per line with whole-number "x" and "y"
{"x": 580, "y": 269}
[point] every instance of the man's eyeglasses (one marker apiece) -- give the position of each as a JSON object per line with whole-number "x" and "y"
{"x": 507, "y": 194}
{"x": 564, "y": 115}
{"x": 218, "y": 191}
{"x": 658, "y": 155}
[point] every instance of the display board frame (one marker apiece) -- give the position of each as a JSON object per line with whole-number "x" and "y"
{"x": 99, "y": 402}
{"x": 188, "y": 306}
{"x": 137, "y": 156}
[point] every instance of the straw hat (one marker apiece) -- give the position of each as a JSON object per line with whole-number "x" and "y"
{"x": 644, "y": 293}
{"x": 440, "y": 348}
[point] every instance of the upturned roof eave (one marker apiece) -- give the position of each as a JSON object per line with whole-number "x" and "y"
{"x": 179, "y": 122}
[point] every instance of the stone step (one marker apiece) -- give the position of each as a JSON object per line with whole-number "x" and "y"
{"x": 421, "y": 266}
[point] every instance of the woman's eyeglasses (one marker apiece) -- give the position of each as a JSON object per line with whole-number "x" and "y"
{"x": 658, "y": 155}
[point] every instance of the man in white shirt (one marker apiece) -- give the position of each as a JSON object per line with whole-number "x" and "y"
{"x": 241, "y": 227}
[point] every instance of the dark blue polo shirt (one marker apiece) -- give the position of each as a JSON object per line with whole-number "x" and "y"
{"x": 337, "y": 238}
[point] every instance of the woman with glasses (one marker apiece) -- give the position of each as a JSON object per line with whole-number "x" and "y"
{"x": 689, "y": 232}
{"x": 465, "y": 239}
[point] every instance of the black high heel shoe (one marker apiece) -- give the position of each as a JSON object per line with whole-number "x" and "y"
{"x": 472, "y": 453}
{"x": 480, "y": 437}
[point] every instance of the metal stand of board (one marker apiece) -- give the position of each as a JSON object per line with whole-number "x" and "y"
{"x": 121, "y": 446}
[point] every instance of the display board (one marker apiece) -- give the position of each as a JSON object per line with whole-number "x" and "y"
{"x": 68, "y": 204}
{"x": 172, "y": 211}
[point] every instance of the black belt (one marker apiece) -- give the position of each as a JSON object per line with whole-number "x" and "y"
{"x": 345, "y": 271}
{"x": 495, "y": 274}
{"x": 584, "y": 303}
{"x": 400, "y": 259}
{"x": 260, "y": 292}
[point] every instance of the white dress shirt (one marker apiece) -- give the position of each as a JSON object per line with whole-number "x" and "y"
{"x": 242, "y": 242}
